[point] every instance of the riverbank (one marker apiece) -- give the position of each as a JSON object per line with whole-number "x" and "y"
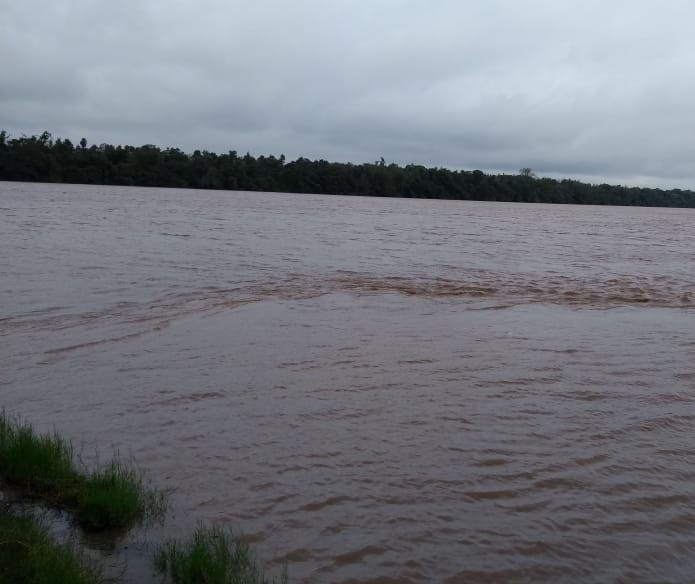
{"x": 115, "y": 497}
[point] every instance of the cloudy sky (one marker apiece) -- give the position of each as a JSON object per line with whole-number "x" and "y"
{"x": 599, "y": 90}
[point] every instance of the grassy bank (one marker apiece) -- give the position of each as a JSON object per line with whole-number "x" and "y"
{"x": 114, "y": 496}
{"x": 28, "y": 555}
{"x": 212, "y": 555}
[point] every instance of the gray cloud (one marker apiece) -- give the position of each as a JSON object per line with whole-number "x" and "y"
{"x": 586, "y": 89}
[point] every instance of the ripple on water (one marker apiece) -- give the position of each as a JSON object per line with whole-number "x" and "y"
{"x": 372, "y": 390}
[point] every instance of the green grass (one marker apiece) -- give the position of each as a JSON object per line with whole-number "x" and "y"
{"x": 114, "y": 496}
{"x": 214, "y": 556}
{"x": 29, "y": 556}
{"x": 41, "y": 464}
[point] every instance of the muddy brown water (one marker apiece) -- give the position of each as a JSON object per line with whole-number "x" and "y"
{"x": 372, "y": 390}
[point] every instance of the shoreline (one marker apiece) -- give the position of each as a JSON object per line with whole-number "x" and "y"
{"x": 40, "y": 158}
{"x": 38, "y": 475}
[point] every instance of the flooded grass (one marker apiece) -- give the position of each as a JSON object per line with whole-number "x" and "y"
{"x": 114, "y": 496}
{"x": 42, "y": 467}
{"x": 30, "y": 556}
{"x": 213, "y": 555}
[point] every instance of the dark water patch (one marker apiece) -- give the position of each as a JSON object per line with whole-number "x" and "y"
{"x": 378, "y": 580}
{"x": 358, "y": 555}
{"x": 190, "y": 398}
{"x": 294, "y": 556}
{"x": 496, "y": 576}
{"x": 492, "y": 494}
{"x": 491, "y": 462}
{"x": 93, "y": 343}
{"x": 182, "y": 235}
{"x": 330, "y": 501}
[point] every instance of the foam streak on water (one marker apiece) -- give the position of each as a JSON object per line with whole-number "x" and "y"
{"x": 373, "y": 390}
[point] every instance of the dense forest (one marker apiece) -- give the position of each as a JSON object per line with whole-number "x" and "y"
{"x": 43, "y": 159}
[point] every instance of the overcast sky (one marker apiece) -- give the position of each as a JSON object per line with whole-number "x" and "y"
{"x": 599, "y": 90}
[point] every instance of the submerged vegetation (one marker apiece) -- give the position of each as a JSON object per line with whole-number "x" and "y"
{"x": 40, "y": 158}
{"x": 212, "y": 555}
{"x": 114, "y": 496}
{"x": 29, "y": 555}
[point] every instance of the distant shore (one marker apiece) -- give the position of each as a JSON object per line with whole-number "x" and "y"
{"x": 43, "y": 159}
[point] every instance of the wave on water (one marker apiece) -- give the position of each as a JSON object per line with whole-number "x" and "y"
{"x": 503, "y": 292}
{"x": 513, "y": 290}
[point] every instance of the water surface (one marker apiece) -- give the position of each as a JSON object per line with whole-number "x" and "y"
{"x": 373, "y": 390}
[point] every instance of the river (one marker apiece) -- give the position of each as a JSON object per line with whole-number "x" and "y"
{"x": 370, "y": 389}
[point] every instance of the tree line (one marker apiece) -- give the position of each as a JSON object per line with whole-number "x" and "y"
{"x": 42, "y": 159}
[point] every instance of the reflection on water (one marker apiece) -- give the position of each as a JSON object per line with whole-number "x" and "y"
{"x": 371, "y": 389}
